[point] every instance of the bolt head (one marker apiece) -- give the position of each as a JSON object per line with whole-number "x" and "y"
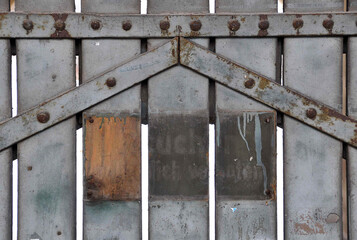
{"x": 43, "y": 117}
{"x": 95, "y": 24}
{"x": 164, "y": 25}
{"x": 60, "y": 25}
{"x": 263, "y": 24}
{"x": 233, "y": 25}
{"x": 249, "y": 83}
{"x": 195, "y": 25}
{"x": 298, "y": 23}
{"x": 328, "y": 24}
{"x": 311, "y": 113}
{"x": 267, "y": 192}
{"x": 27, "y": 24}
{"x": 126, "y": 25}
{"x": 111, "y": 82}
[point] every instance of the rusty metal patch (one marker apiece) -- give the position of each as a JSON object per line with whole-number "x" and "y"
{"x": 112, "y": 158}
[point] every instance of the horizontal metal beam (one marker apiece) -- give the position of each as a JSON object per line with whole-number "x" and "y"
{"x": 76, "y": 25}
{"x": 99, "y": 88}
{"x": 267, "y": 91}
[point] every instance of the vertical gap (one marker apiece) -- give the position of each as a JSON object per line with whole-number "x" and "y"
{"x": 344, "y": 149}
{"x": 280, "y": 6}
{"x": 144, "y": 7}
{"x": 212, "y": 6}
{"x": 79, "y": 184}
{"x": 15, "y": 162}
{"x": 145, "y": 180}
{"x": 78, "y": 6}
{"x": 280, "y": 183}
{"x": 211, "y": 177}
{"x": 12, "y": 5}
{"x": 212, "y": 88}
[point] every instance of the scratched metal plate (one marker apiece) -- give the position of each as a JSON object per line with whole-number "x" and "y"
{"x": 178, "y": 219}
{"x": 247, "y": 155}
{"x": 243, "y": 220}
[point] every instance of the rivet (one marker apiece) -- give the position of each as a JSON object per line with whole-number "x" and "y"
{"x": 263, "y": 24}
{"x": 111, "y": 82}
{"x": 91, "y": 120}
{"x": 60, "y": 25}
{"x": 311, "y": 113}
{"x": 95, "y": 24}
{"x": 126, "y": 25}
{"x": 43, "y": 117}
{"x": 332, "y": 218}
{"x": 27, "y": 24}
{"x": 298, "y": 23}
{"x": 267, "y": 192}
{"x": 233, "y": 25}
{"x": 29, "y": 168}
{"x": 195, "y": 25}
{"x": 164, "y": 25}
{"x": 328, "y": 24}
{"x": 249, "y": 83}
{"x": 59, "y": 233}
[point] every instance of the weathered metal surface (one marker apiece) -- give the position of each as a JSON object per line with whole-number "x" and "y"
{"x": 313, "y": 6}
{"x": 245, "y": 136}
{"x": 286, "y": 100}
{"x": 112, "y": 157}
{"x": 245, "y": 155}
{"x": 241, "y": 220}
{"x": 113, "y": 215}
{"x": 312, "y": 160}
{"x": 178, "y": 139}
{"x": 148, "y": 26}
{"x": 94, "y": 91}
{"x": 178, "y": 219}
{"x": 5, "y": 155}
{"x": 47, "y": 175}
{"x": 352, "y": 152}
{"x": 112, "y": 6}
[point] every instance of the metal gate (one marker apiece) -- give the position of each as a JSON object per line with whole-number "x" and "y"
{"x": 246, "y": 69}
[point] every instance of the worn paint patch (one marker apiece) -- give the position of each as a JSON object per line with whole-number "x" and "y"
{"x": 308, "y": 225}
{"x": 112, "y": 158}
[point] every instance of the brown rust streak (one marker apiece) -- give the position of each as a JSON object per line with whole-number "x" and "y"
{"x": 112, "y": 158}
{"x": 60, "y": 34}
{"x": 307, "y": 225}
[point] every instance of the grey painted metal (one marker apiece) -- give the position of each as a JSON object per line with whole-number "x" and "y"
{"x": 239, "y": 121}
{"x": 284, "y": 99}
{"x": 178, "y": 153}
{"x": 178, "y": 143}
{"x": 111, "y": 219}
{"x": 5, "y": 155}
{"x": 112, "y": 214}
{"x": 352, "y": 152}
{"x": 80, "y": 98}
{"x": 148, "y": 26}
{"x": 313, "y": 6}
{"x": 312, "y": 160}
{"x": 47, "y": 172}
{"x": 249, "y": 222}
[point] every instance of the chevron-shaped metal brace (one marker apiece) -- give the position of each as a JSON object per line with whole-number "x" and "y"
{"x": 196, "y": 58}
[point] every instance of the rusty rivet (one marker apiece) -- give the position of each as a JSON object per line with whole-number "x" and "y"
{"x": 91, "y": 120}
{"x": 298, "y": 23}
{"x": 249, "y": 83}
{"x": 126, "y": 25}
{"x": 29, "y": 168}
{"x": 311, "y": 113}
{"x": 233, "y": 25}
{"x": 164, "y": 25}
{"x": 43, "y": 117}
{"x": 60, "y": 25}
{"x": 263, "y": 24}
{"x": 59, "y": 233}
{"x": 111, "y": 82}
{"x": 267, "y": 192}
{"x": 328, "y": 24}
{"x": 27, "y": 24}
{"x": 95, "y": 24}
{"x": 195, "y": 25}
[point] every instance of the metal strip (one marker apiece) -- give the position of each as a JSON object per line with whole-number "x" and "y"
{"x": 74, "y": 25}
{"x": 101, "y": 87}
{"x": 265, "y": 90}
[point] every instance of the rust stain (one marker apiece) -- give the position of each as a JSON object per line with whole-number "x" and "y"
{"x": 112, "y": 158}
{"x": 307, "y": 225}
{"x": 2, "y": 17}
{"x": 264, "y": 83}
{"x": 185, "y": 50}
{"x": 60, "y": 34}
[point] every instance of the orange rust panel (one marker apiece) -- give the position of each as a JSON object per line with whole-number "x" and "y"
{"x": 112, "y": 158}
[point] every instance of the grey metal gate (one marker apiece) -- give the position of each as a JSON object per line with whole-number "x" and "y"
{"x": 247, "y": 69}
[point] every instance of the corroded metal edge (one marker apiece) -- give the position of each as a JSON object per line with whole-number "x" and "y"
{"x": 267, "y": 91}
{"x": 80, "y": 25}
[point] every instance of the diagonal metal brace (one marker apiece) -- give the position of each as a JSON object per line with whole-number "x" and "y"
{"x": 265, "y": 90}
{"x": 99, "y": 88}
